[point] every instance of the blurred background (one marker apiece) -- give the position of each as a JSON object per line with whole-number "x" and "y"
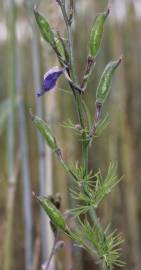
{"x": 26, "y": 164}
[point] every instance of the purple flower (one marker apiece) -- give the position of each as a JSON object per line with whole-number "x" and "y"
{"x": 50, "y": 80}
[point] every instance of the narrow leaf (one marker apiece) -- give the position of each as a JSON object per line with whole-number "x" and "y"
{"x": 102, "y": 125}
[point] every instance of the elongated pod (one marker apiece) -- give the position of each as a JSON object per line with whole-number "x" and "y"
{"x": 45, "y": 131}
{"x": 97, "y": 33}
{"x": 44, "y": 27}
{"x": 105, "y": 81}
{"x": 53, "y": 213}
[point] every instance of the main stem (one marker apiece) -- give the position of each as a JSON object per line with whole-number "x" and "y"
{"x": 76, "y": 93}
{"x": 77, "y": 96}
{"x": 71, "y": 64}
{"x": 77, "y": 99}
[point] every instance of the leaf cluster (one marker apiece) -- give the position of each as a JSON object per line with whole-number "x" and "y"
{"x": 90, "y": 189}
{"x": 102, "y": 244}
{"x": 101, "y": 126}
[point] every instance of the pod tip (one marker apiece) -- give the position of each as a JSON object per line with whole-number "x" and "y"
{"x": 108, "y": 10}
{"x": 33, "y": 194}
{"x": 120, "y": 59}
{"x": 35, "y": 7}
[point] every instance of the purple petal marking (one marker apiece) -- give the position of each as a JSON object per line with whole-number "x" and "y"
{"x": 50, "y": 80}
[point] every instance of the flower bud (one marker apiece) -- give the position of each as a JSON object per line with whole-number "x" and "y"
{"x": 53, "y": 213}
{"x": 45, "y": 131}
{"x": 77, "y": 126}
{"x": 97, "y": 33}
{"x": 50, "y": 80}
{"x": 105, "y": 81}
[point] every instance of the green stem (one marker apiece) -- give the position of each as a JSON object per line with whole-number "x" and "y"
{"x": 79, "y": 108}
{"x": 95, "y": 219}
{"x": 71, "y": 63}
{"x": 73, "y": 74}
{"x": 85, "y": 163}
{"x": 85, "y": 153}
{"x": 78, "y": 101}
{"x": 64, "y": 164}
{"x": 85, "y": 143}
{"x": 77, "y": 96}
{"x": 76, "y": 93}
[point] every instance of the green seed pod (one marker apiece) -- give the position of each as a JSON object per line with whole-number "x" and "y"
{"x": 105, "y": 81}
{"x": 45, "y": 131}
{"x": 97, "y": 33}
{"x": 44, "y": 27}
{"x": 60, "y": 47}
{"x": 53, "y": 213}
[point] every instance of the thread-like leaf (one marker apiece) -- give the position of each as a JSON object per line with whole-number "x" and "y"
{"x": 106, "y": 245}
{"x": 102, "y": 125}
{"x": 97, "y": 188}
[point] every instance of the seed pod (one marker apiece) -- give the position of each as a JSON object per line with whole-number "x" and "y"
{"x": 97, "y": 33}
{"x": 44, "y": 130}
{"x": 105, "y": 81}
{"x": 53, "y": 213}
{"x": 44, "y": 27}
{"x": 60, "y": 47}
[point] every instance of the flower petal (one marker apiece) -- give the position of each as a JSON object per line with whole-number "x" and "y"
{"x": 50, "y": 80}
{"x": 55, "y": 69}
